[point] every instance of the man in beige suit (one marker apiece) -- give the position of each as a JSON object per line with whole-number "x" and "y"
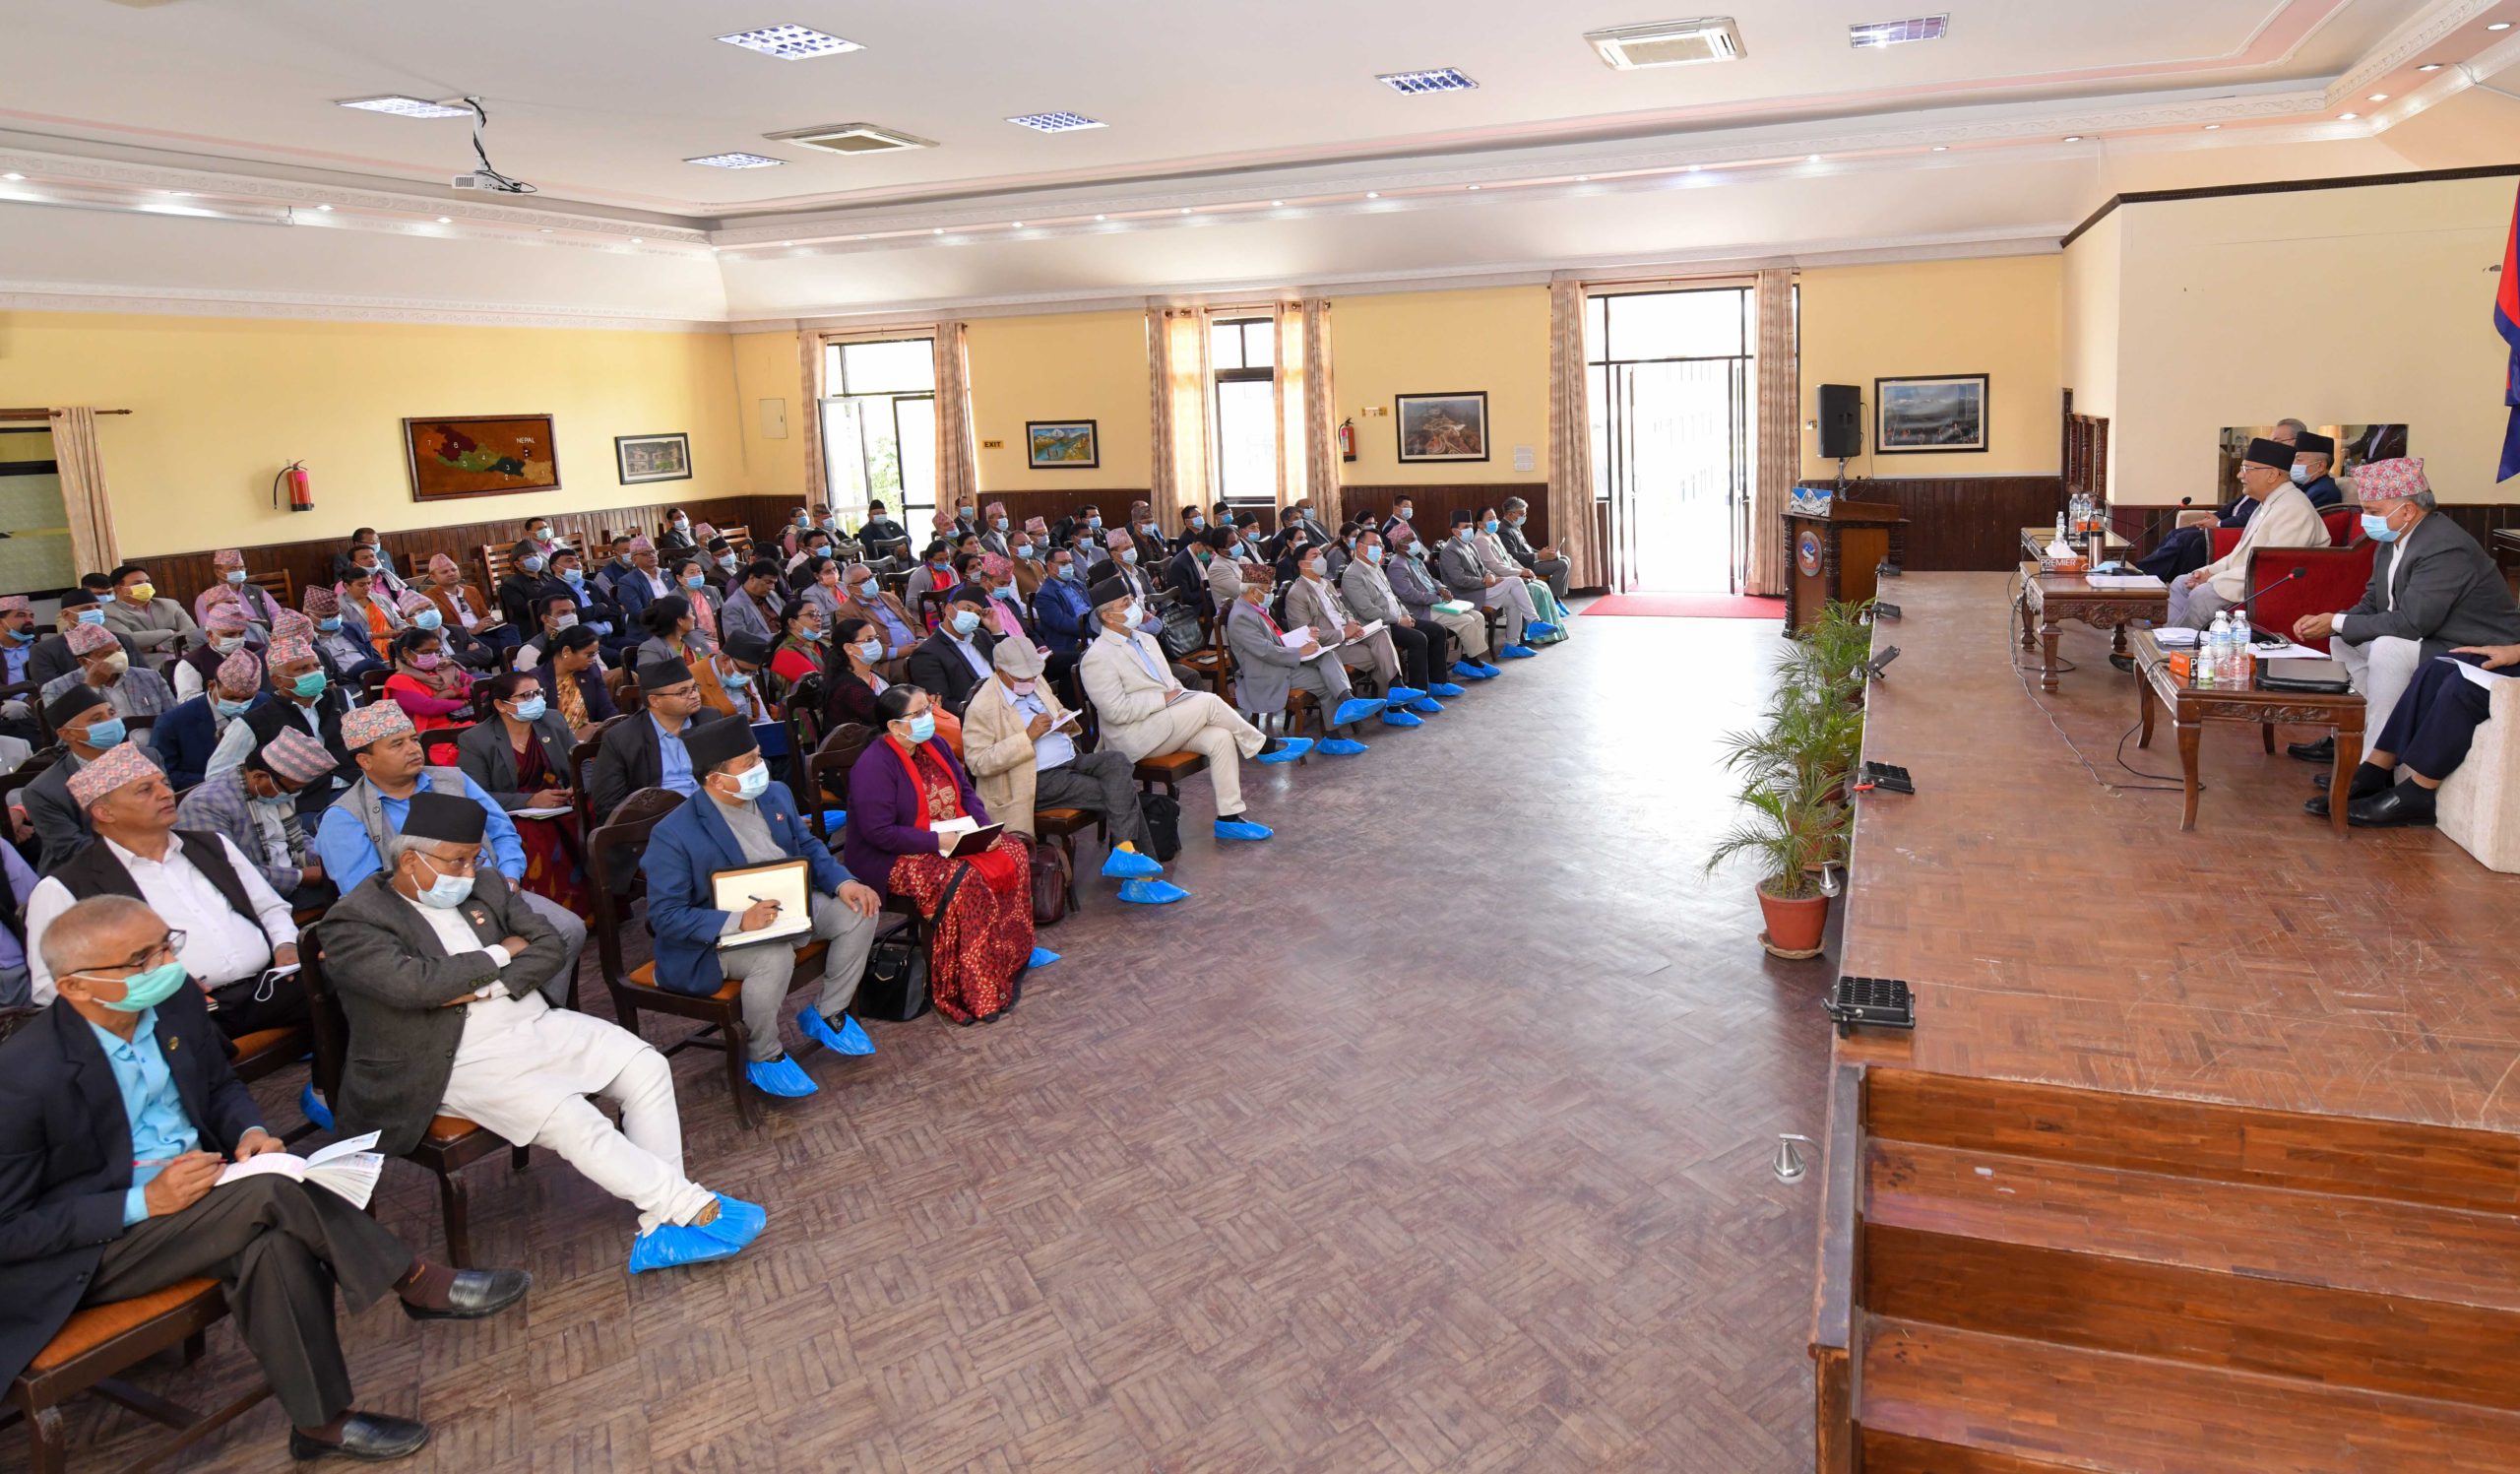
{"x": 1146, "y": 712}
{"x": 2284, "y": 517}
{"x": 1022, "y": 754}
{"x": 1314, "y": 601}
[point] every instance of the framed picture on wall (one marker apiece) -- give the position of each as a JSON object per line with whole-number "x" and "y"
{"x": 1442, "y": 426}
{"x": 652, "y": 458}
{"x": 480, "y": 455}
{"x": 1061, "y": 445}
{"x": 1928, "y": 414}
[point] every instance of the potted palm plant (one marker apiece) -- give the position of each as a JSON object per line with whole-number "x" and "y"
{"x": 1792, "y": 834}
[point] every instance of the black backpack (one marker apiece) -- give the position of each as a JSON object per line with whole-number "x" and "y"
{"x": 1163, "y": 825}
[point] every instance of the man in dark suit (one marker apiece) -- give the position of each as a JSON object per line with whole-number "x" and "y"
{"x": 952, "y": 663}
{"x": 117, "y": 1113}
{"x": 886, "y": 541}
{"x": 647, "y": 751}
{"x": 2431, "y": 588}
{"x": 302, "y": 696}
{"x": 596, "y": 609}
{"x": 438, "y": 963}
{"x": 187, "y": 735}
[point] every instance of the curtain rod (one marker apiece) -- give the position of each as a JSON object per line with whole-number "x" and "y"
{"x": 46, "y": 414}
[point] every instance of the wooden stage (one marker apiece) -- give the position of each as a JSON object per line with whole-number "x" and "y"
{"x": 2057, "y": 927}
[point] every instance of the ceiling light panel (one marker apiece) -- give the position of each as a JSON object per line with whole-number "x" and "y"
{"x": 852, "y": 137}
{"x": 1669, "y": 43}
{"x": 791, "y": 42}
{"x": 1437, "y": 80}
{"x": 1055, "y": 122}
{"x": 406, "y": 107}
{"x": 738, "y": 161}
{"x": 1897, "y": 32}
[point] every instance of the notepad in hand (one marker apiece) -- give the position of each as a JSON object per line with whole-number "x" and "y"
{"x": 1371, "y": 630}
{"x": 976, "y": 841}
{"x": 348, "y": 1170}
{"x": 1295, "y": 639}
{"x": 546, "y": 811}
{"x": 786, "y": 881}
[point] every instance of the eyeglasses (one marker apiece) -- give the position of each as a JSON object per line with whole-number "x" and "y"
{"x": 150, "y": 956}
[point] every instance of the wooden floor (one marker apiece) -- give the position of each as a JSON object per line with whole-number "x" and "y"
{"x": 1432, "y": 1134}
{"x": 2056, "y": 925}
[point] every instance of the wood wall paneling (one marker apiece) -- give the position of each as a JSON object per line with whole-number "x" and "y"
{"x": 1960, "y": 523}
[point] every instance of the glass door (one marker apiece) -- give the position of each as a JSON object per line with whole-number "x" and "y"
{"x": 1675, "y": 438}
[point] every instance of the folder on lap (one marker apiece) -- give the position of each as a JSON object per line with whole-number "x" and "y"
{"x": 786, "y": 881}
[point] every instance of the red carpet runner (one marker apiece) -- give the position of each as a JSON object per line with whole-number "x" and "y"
{"x": 1686, "y": 606}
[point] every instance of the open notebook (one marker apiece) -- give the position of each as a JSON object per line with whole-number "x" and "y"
{"x": 348, "y": 1170}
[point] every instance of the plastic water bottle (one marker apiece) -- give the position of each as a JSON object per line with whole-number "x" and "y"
{"x": 2242, "y": 657}
{"x": 2216, "y": 648}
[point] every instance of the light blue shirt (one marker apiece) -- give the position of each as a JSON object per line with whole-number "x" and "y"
{"x": 1052, "y": 749}
{"x": 1144, "y": 659}
{"x": 340, "y": 842}
{"x": 896, "y": 633}
{"x": 159, "y": 1129}
{"x": 673, "y": 760}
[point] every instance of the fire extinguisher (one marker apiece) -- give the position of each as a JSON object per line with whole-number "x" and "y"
{"x": 1347, "y": 441}
{"x": 302, "y": 491}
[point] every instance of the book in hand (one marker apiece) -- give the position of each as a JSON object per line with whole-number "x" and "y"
{"x": 546, "y": 811}
{"x": 786, "y": 881}
{"x": 348, "y": 1170}
{"x": 975, "y": 840}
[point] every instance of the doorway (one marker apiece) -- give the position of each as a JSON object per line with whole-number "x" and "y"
{"x": 1674, "y": 434}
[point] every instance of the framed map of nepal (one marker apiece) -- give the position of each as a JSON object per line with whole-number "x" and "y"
{"x": 480, "y": 455}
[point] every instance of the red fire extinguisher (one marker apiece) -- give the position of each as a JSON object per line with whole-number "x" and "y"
{"x": 1347, "y": 441}
{"x": 302, "y": 491}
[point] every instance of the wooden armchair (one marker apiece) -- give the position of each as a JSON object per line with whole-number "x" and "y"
{"x": 98, "y": 1343}
{"x": 277, "y": 583}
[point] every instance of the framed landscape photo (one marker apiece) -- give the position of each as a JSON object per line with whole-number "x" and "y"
{"x": 1931, "y": 413}
{"x": 1442, "y": 426}
{"x": 480, "y": 455}
{"x": 1061, "y": 445}
{"x": 652, "y": 458}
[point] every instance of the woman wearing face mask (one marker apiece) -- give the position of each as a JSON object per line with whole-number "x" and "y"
{"x": 855, "y": 680}
{"x": 459, "y": 645}
{"x": 819, "y": 586}
{"x": 799, "y": 652}
{"x": 571, "y": 676}
{"x": 425, "y": 683}
{"x": 901, "y": 790}
{"x": 928, "y": 584}
{"x": 520, "y": 757}
{"x": 691, "y": 582}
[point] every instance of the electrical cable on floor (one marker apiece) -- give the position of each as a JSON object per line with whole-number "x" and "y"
{"x": 2021, "y": 672}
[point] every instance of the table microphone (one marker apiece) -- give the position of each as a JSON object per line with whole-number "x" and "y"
{"x": 2298, "y": 572}
{"x": 2155, "y": 521}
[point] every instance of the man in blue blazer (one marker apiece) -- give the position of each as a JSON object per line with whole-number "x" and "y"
{"x": 739, "y": 816}
{"x": 189, "y": 733}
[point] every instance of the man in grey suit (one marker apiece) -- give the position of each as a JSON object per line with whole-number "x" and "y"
{"x": 2431, "y": 588}
{"x": 437, "y": 962}
{"x": 1266, "y": 669}
{"x": 1456, "y": 563}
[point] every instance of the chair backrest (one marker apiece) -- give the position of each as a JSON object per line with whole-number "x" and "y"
{"x": 2332, "y": 579}
{"x": 29, "y": 771}
{"x": 326, "y": 1022}
{"x": 741, "y": 538}
{"x": 2344, "y": 525}
{"x": 580, "y": 755}
{"x": 629, "y": 827}
{"x": 827, "y": 772}
{"x": 442, "y": 737}
{"x": 276, "y": 582}
{"x": 805, "y": 715}
{"x": 622, "y": 685}
{"x": 496, "y": 565}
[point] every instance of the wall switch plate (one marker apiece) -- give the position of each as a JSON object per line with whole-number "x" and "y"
{"x": 773, "y": 420}
{"x": 1524, "y": 458}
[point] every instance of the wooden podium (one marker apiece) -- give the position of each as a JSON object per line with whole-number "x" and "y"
{"x": 1832, "y": 552}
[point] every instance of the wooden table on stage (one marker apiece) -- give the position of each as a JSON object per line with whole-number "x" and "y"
{"x": 2047, "y": 599}
{"x": 2035, "y": 541}
{"x": 2190, "y": 707}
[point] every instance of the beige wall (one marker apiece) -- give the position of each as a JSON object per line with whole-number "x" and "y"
{"x": 220, "y": 405}
{"x": 1075, "y": 366}
{"x": 767, "y": 366}
{"x": 1436, "y": 343}
{"x": 2001, "y": 317}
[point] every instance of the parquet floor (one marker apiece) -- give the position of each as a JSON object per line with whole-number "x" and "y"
{"x": 1431, "y": 1135}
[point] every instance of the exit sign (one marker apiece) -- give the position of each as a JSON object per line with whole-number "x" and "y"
{"x": 992, "y": 445}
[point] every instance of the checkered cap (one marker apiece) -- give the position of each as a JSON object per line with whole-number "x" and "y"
{"x": 321, "y": 603}
{"x": 14, "y": 604}
{"x": 119, "y": 765}
{"x": 291, "y": 647}
{"x": 227, "y": 557}
{"x": 413, "y": 600}
{"x": 87, "y": 639}
{"x": 1036, "y": 527}
{"x": 241, "y": 672}
{"x": 643, "y": 543}
{"x": 703, "y": 533}
{"x": 226, "y": 617}
{"x": 372, "y": 724}
{"x": 289, "y": 623}
{"x": 997, "y": 567}
{"x": 2390, "y": 480}
{"x": 295, "y": 753}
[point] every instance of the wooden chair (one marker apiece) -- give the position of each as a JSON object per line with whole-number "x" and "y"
{"x": 720, "y": 1014}
{"x": 580, "y": 756}
{"x": 102, "y": 1341}
{"x": 277, "y": 583}
{"x": 437, "y": 745}
{"x": 622, "y": 686}
{"x": 371, "y": 684}
{"x": 827, "y": 771}
{"x": 1165, "y": 770}
{"x": 496, "y": 564}
{"x": 449, "y": 1145}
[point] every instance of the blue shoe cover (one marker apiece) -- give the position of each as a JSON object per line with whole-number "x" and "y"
{"x": 1402, "y": 695}
{"x": 1357, "y": 709}
{"x": 1151, "y": 892}
{"x": 1428, "y": 706}
{"x": 1541, "y": 629}
{"x": 1041, "y": 957}
{"x": 1491, "y": 667}
{"x": 781, "y": 1077}
{"x": 1443, "y": 689}
{"x": 1517, "y": 652}
{"x": 835, "y": 818}
{"x": 1468, "y": 671}
{"x": 1126, "y": 863}
{"x": 1243, "y": 829}
{"x": 314, "y": 1109}
{"x": 1341, "y": 747}
{"x": 847, "y": 1039}
{"x": 737, "y": 1221}
{"x": 1403, "y": 719}
{"x": 1289, "y": 749}
{"x": 668, "y": 1245}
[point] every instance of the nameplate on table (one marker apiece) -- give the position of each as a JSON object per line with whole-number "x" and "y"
{"x": 2131, "y": 581}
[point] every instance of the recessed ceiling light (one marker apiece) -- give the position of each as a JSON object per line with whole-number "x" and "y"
{"x": 1691, "y": 169}
{"x": 1434, "y": 79}
{"x": 1583, "y": 178}
{"x": 638, "y": 240}
{"x": 1101, "y": 216}
{"x": 326, "y": 209}
{"x": 940, "y": 230}
{"x": 1372, "y": 195}
{"x": 1277, "y": 204}
{"x": 787, "y": 244}
{"x": 1897, "y": 32}
{"x": 406, "y": 107}
{"x": 1018, "y": 225}
{"x": 14, "y": 178}
{"x": 2499, "y": 26}
{"x": 738, "y": 161}
{"x": 790, "y": 42}
{"x": 2074, "y": 138}
{"x": 2429, "y": 66}
{"x": 2379, "y": 98}
{"x": 1942, "y": 147}
{"x": 2347, "y": 116}
{"x": 1055, "y": 122}
{"x": 2213, "y": 127}
{"x": 445, "y": 220}
{"x": 1667, "y": 44}
{"x": 1474, "y": 186}
{"x": 546, "y": 230}
{"x": 1811, "y": 158}
{"x": 1185, "y": 210}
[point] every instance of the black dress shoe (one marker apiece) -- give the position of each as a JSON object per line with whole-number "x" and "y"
{"x": 369, "y": 1438}
{"x": 2317, "y": 808}
{"x": 2393, "y": 809}
{"x": 2125, "y": 662}
{"x": 474, "y": 1293}
{"x": 2323, "y": 750}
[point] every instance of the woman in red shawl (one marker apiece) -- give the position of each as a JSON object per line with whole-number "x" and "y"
{"x": 979, "y": 908}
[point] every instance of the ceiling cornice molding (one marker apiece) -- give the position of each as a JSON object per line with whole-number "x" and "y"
{"x": 2448, "y": 82}
{"x": 2422, "y": 31}
{"x": 62, "y": 296}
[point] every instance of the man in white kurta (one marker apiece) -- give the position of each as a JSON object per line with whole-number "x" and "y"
{"x": 2284, "y": 517}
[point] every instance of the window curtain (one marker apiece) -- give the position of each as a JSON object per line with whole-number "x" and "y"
{"x": 1307, "y": 453}
{"x": 1570, "y": 440}
{"x": 1177, "y": 389}
{"x": 811, "y": 352}
{"x": 83, "y": 489}
{"x": 957, "y": 457}
{"x": 1780, "y": 406}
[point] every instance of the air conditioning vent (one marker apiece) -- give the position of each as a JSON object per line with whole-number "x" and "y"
{"x": 852, "y": 137}
{"x": 1897, "y": 32}
{"x": 1669, "y": 43}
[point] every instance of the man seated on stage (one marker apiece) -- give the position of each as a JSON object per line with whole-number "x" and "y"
{"x": 1022, "y": 758}
{"x": 2285, "y": 518}
{"x": 2189, "y": 546}
{"x": 89, "y": 728}
{"x": 1314, "y": 601}
{"x": 1266, "y": 670}
{"x": 230, "y": 927}
{"x": 85, "y": 1225}
{"x": 351, "y": 841}
{"x": 2426, "y": 737}
{"x": 438, "y": 965}
{"x": 2431, "y": 588}
{"x": 254, "y": 807}
{"x": 1424, "y": 645}
{"x": 1146, "y": 712}
{"x": 1458, "y": 564}
{"x": 741, "y": 816}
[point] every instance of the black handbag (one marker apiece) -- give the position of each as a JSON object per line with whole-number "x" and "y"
{"x": 1180, "y": 631}
{"x": 894, "y": 986}
{"x": 1163, "y": 825}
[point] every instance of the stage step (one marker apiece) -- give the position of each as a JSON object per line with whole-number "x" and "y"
{"x": 1941, "y": 1400}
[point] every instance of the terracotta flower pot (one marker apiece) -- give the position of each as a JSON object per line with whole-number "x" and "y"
{"x": 1794, "y": 927}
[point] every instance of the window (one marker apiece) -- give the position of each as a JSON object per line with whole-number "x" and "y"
{"x": 1242, "y": 353}
{"x": 879, "y": 427}
{"x": 35, "y": 557}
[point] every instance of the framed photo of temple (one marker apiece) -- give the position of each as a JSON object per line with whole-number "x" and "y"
{"x": 1062, "y": 444}
{"x": 1442, "y": 426}
{"x": 1933, "y": 412}
{"x": 480, "y": 455}
{"x": 652, "y": 458}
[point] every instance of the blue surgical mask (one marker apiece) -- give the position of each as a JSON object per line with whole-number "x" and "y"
{"x": 965, "y": 621}
{"x": 1068, "y": 571}
{"x": 694, "y": 581}
{"x": 531, "y": 563}
{"x": 446, "y": 892}
{"x": 2300, "y": 475}
{"x": 235, "y": 575}
{"x": 923, "y": 727}
{"x": 728, "y": 562}
{"x": 145, "y": 991}
{"x": 735, "y": 681}
{"x": 573, "y": 578}
{"x": 1001, "y": 523}
{"x": 1022, "y": 549}
{"x": 228, "y": 708}
{"x": 1094, "y": 521}
{"x": 1198, "y": 524}
{"x": 109, "y": 732}
{"x": 23, "y": 637}
{"x": 309, "y": 685}
{"x": 2376, "y": 527}
{"x": 1492, "y": 524}
{"x": 92, "y": 615}
{"x": 427, "y": 619}
{"x": 531, "y": 708}
{"x": 822, "y": 550}
{"x": 330, "y": 627}
{"x": 752, "y": 782}
{"x": 1373, "y": 554}
{"x": 870, "y": 651}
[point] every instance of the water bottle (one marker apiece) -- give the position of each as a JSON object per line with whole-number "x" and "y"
{"x": 2242, "y": 657}
{"x": 2213, "y": 651}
